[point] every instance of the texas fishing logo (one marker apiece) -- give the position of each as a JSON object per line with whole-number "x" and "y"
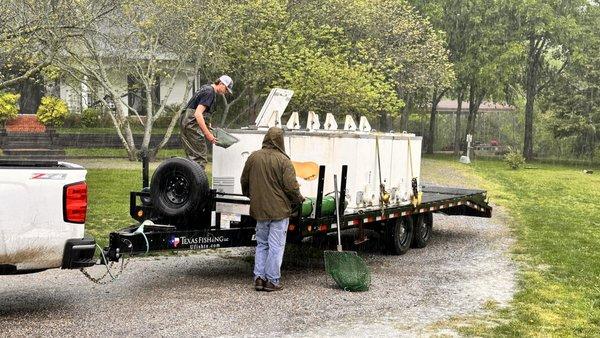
{"x": 174, "y": 242}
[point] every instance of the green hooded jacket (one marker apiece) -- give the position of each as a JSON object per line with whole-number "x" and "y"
{"x": 270, "y": 181}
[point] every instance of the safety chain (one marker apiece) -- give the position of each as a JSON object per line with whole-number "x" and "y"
{"x": 113, "y": 277}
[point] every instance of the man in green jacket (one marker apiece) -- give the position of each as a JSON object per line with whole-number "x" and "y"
{"x": 270, "y": 181}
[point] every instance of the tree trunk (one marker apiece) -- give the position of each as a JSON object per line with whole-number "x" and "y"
{"x": 384, "y": 122}
{"x": 432, "y": 116}
{"x": 435, "y": 100}
{"x": 122, "y": 126}
{"x": 131, "y": 150}
{"x": 252, "y": 112}
{"x": 470, "y": 117}
{"x": 475, "y": 100}
{"x": 592, "y": 142}
{"x": 457, "y": 122}
{"x": 31, "y": 91}
{"x": 149, "y": 120}
{"x": 389, "y": 122}
{"x": 531, "y": 89}
{"x": 406, "y": 113}
{"x": 225, "y": 111}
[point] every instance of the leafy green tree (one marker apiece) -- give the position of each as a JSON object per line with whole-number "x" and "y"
{"x": 549, "y": 32}
{"x": 572, "y": 101}
{"x": 253, "y": 51}
{"x": 146, "y": 41}
{"x": 330, "y": 85}
{"x": 33, "y": 32}
{"x": 373, "y": 48}
{"x": 484, "y": 55}
{"x": 396, "y": 40}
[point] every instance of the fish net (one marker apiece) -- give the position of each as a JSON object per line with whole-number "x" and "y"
{"x": 224, "y": 139}
{"x": 348, "y": 270}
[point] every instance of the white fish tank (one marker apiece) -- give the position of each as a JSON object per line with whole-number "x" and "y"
{"x": 360, "y": 148}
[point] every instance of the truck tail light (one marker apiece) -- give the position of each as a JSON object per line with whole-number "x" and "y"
{"x": 75, "y": 202}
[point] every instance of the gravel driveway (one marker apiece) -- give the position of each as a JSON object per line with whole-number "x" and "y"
{"x": 209, "y": 293}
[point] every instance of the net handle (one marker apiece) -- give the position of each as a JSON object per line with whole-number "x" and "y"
{"x": 337, "y": 213}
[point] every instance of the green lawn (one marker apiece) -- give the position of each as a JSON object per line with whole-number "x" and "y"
{"x": 108, "y": 201}
{"x": 557, "y": 226}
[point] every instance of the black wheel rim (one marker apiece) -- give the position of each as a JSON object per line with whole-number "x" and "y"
{"x": 177, "y": 188}
{"x": 424, "y": 229}
{"x": 402, "y": 233}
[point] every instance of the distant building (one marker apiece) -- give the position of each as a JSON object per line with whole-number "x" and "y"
{"x": 79, "y": 97}
{"x": 450, "y": 106}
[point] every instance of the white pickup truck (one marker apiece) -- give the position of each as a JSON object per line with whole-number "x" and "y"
{"x": 43, "y": 206}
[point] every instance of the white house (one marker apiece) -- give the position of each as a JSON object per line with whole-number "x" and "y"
{"x": 79, "y": 97}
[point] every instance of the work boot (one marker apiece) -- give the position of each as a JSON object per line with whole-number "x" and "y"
{"x": 259, "y": 284}
{"x": 272, "y": 287}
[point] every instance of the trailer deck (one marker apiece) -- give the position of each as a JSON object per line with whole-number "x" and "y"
{"x": 210, "y": 234}
{"x": 447, "y": 200}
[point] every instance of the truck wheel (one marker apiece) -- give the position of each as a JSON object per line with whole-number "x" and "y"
{"x": 399, "y": 235}
{"x": 423, "y": 223}
{"x": 179, "y": 187}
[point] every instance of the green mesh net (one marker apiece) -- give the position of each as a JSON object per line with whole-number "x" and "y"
{"x": 348, "y": 270}
{"x": 224, "y": 139}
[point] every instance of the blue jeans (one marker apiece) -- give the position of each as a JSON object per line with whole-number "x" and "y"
{"x": 270, "y": 244}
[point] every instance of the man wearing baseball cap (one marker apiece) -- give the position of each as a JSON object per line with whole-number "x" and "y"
{"x": 193, "y": 127}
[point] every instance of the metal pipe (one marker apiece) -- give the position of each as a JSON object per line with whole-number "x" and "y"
{"x": 145, "y": 170}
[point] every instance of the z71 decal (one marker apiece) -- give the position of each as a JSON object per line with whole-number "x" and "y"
{"x": 47, "y": 176}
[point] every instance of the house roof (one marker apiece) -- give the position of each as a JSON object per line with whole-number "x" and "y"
{"x": 450, "y": 106}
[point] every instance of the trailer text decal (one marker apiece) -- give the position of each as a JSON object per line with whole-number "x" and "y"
{"x": 207, "y": 242}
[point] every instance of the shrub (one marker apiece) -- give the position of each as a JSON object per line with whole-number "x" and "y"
{"x": 105, "y": 119}
{"x": 52, "y": 111}
{"x": 514, "y": 159}
{"x": 72, "y": 120}
{"x": 90, "y": 118}
{"x": 8, "y": 107}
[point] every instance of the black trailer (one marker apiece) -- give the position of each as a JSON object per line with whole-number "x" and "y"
{"x": 176, "y": 181}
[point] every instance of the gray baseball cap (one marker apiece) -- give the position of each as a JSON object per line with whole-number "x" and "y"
{"x": 228, "y": 82}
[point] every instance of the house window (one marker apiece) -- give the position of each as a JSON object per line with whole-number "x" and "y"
{"x": 137, "y": 98}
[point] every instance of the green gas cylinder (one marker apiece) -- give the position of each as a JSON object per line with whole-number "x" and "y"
{"x": 327, "y": 206}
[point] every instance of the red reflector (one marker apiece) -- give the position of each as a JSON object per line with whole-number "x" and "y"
{"x": 323, "y": 227}
{"x": 75, "y": 202}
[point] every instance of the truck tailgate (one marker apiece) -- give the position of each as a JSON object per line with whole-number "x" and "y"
{"x": 33, "y": 231}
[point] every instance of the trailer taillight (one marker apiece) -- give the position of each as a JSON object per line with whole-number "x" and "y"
{"x": 75, "y": 202}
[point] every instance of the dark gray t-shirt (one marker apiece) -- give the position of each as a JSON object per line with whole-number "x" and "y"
{"x": 205, "y": 96}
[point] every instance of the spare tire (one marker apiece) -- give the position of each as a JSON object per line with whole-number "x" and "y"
{"x": 179, "y": 187}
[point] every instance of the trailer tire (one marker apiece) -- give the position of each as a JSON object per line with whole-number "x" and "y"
{"x": 399, "y": 235}
{"x": 422, "y": 227}
{"x": 179, "y": 187}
